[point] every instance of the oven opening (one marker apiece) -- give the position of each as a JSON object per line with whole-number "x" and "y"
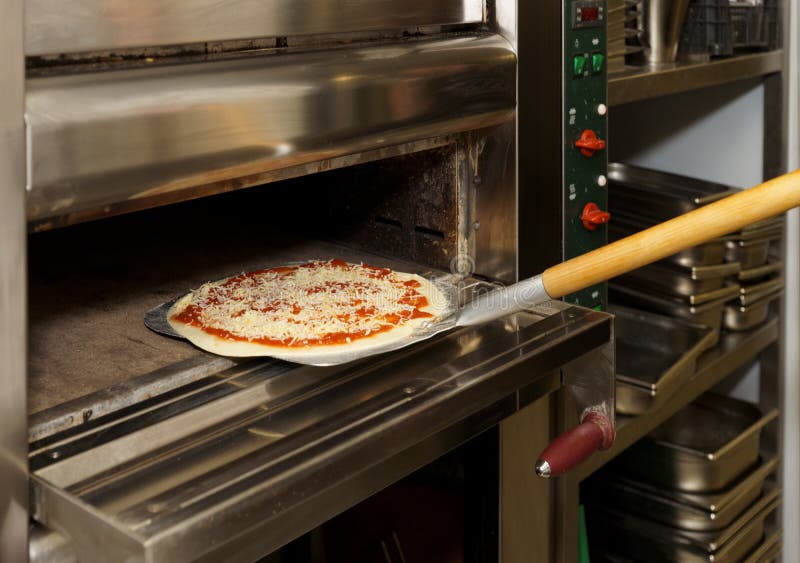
{"x": 90, "y": 284}
{"x": 97, "y": 374}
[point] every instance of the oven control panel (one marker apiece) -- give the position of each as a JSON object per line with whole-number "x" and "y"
{"x": 585, "y": 115}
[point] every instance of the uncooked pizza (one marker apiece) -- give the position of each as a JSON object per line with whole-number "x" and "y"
{"x": 298, "y": 310}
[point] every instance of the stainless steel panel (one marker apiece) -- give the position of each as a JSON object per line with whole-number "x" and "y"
{"x": 13, "y": 314}
{"x": 490, "y": 171}
{"x": 589, "y": 381}
{"x": 47, "y": 546}
{"x": 505, "y": 20}
{"x": 64, "y": 26}
{"x": 235, "y": 468}
{"x": 115, "y": 141}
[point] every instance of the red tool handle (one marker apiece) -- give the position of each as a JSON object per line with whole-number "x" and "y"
{"x": 596, "y": 432}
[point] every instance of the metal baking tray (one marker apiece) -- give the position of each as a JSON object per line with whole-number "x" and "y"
{"x": 654, "y": 356}
{"x": 694, "y": 282}
{"x": 771, "y": 223}
{"x": 698, "y": 512}
{"x": 748, "y": 253}
{"x": 708, "y": 312}
{"x": 658, "y": 196}
{"x": 655, "y": 196}
{"x": 755, "y": 292}
{"x": 760, "y": 272}
{"x": 726, "y": 292}
{"x": 703, "y": 448}
{"x": 770, "y": 230}
{"x": 618, "y": 536}
{"x": 766, "y": 552}
{"x": 736, "y": 316}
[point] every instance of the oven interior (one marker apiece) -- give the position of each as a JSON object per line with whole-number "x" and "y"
{"x": 91, "y": 283}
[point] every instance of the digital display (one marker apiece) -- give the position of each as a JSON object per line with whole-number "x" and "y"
{"x": 587, "y": 13}
{"x": 590, "y": 13}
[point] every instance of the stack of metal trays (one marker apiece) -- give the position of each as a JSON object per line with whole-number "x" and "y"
{"x": 751, "y": 245}
{"x": 655, "y": 356}
{"x": 625, "y": 30}
{"x": 694, "y": 285}
{"x": 695, "y": 489}
{"x": 616, "y": 36}
{"x": 755, "y": 249}
{"x": 705, "y": 283}
{"x": 616, "y": 536}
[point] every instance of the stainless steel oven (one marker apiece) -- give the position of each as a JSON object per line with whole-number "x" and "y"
{"x": 165, "y": 144}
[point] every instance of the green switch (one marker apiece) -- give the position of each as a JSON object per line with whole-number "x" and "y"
{"x": 597, "y": 62}
{"x": 579, "y": 64}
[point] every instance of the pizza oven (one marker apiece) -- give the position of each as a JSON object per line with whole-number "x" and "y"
{"x": 168, "y": 146}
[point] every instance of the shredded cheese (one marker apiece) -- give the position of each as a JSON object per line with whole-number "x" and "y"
{"x": 305, "y": 305}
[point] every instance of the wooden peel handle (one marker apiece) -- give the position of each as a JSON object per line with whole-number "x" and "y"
{"x": 710, "y": 221}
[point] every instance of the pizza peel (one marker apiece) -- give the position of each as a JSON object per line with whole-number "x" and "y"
{"x": 708, "y": 222}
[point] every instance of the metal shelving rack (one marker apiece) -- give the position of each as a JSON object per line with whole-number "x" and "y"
{"x": 636, "y": 84}
{"x": 735, "y": 350}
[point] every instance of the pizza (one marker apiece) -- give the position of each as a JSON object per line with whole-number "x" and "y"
{"x": 300, "y": 310}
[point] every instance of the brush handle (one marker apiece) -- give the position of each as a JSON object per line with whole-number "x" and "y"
{"x": 710, "y": 221}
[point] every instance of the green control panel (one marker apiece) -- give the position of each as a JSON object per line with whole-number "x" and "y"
{"x": 585, "y": 160}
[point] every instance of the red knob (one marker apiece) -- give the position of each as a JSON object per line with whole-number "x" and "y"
{"x": 588, "y": 143}
{"x": 593, "y": 216}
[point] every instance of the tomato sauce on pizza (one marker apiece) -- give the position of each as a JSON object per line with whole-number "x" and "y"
{"x": 318, "y": 303}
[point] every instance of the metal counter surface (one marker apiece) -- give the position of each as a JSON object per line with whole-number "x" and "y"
{"x": 242, "y": 461}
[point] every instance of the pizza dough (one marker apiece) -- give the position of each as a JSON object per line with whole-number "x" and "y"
{"x": 296, "y": 312}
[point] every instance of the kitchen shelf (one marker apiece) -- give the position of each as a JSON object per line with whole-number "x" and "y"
{"x": 637, "y": 84}
{"x": 733, "y": 351}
